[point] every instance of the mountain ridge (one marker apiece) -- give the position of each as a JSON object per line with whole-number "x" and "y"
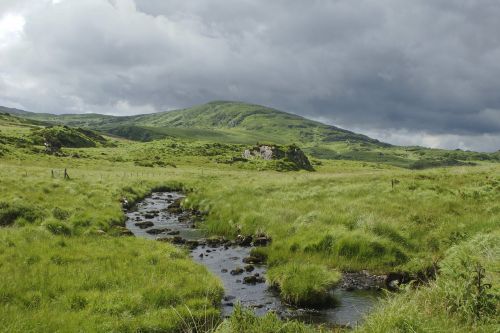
{"x": 232, "y": 122}
{"x": 272, "y": 124}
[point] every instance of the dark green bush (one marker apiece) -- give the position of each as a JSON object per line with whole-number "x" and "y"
{"x": 324, "y": 245}
{"x": 10, "y": 212}
{"x": 60, "y": 214}
{"x": 58, "y": 228}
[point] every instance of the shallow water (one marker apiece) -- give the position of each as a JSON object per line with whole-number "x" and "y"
{"x": 221, "y": 260}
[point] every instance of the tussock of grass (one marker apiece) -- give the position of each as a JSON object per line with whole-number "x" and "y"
{"x": 304, "y": 284}
{"x": 244, "y": 320}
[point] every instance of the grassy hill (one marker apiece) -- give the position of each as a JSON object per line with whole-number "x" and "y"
{"x": 234, "y": 121}
{"x": 242, "y": 123}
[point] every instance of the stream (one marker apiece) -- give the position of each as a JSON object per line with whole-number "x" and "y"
{"x": 157, "y": 217}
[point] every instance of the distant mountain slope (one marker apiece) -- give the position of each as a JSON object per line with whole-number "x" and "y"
{"x": 271, "y": 124}
{"x": 229, "y": 121}
{"x": 236, "y": 122}
{"x": 4, "y": 109}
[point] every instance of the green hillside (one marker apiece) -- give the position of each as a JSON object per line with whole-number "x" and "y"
{"x": 243, "y": 123}
{"x": 241, "y": 118}
{"x": 234, "y": 121}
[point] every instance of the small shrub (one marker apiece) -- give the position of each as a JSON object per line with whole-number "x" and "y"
{"x": 58, "y": 260}
{"x": 9, "y": 213}
{"x": 31, "y": 259}
{"x": 294, "y": 247}
{"x": 32, "y": 300}
{"x": 77, "y": 302}
{"x": 58, "y": 228}
{"x": 60, "y": 214}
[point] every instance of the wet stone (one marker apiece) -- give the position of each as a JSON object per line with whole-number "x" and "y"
{"x": 249, "y": 268}
{"x": 157, "y": 231}
{"x": 243, "y": 240}
{"x": 252, "y": 279}
{"x": 144, "y": 225}
{"x": 237, "y": 271}
{"x": 253, "y": 260}
{"x": 178, "y": 240}
{"x": 261, "y": 241}
{"x": 149, "y": 216}
{"x": 192, "y": 244}
{"x": 215, "y": 241}
{"x": 184, "y": 218}
{"x": 126, "y": 232}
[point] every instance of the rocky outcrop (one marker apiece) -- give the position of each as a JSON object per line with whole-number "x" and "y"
{"x": 292, "y": 154}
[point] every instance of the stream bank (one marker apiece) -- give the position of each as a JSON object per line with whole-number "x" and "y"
{"x": 159, "y": 217}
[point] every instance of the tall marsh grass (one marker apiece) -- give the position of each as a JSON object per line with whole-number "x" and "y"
{"x": 464, "y": 298}
{"x": 94, "y": 284}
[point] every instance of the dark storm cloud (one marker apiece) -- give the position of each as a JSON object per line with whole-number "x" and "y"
{"x": 428, "y": 71}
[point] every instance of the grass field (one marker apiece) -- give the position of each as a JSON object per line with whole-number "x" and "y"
{"x": 66, "y": 266}
{"x": 98, "y": 283}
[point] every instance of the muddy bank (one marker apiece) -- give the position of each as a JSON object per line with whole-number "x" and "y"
{"x": 160, "y": 217}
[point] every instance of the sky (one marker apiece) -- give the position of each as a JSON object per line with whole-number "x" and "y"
{"x": 422, "y": 72}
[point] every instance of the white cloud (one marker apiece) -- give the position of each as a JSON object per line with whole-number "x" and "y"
{"x": 124, "y": 108}
{"x": 480, "y": 142}
{"x": 11, "y": 29}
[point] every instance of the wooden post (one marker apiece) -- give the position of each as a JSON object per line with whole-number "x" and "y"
{"x": 52, "y": 171}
